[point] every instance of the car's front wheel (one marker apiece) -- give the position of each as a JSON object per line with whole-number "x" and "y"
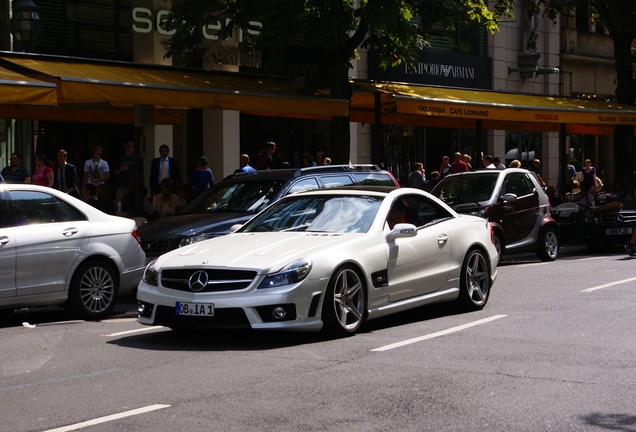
{"x": 474, "y": 287}
{"x": 344, "y": 307}
{"x": 548, "y": 245}
{"x": 93, "y": 290}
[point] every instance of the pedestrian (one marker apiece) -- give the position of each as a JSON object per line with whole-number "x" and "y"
{"x": 515, "y": 163}
{"x": 458, "y": 164}
{"x": 487, "y": 162}
{"x": 434, "y": 179}
{"x": 66, "y": 175}
{"x": 445, "y": 167}
{"x": 245, "y": 165}
{"x": 14, "y": 172}
{"x": 202, "y": 177}
{"x": 264, "y": 159}
{"x": 307, "y": 161}
{"x": 163, "y": 167}
{"x": 166, "y": 202}
{"x": 96, "y": 169}
{"x": 417, "y": 178}
{"x": 535, "y": 168}
{"x": 43, "y": 173}
{"x": 497, "y": 163}
{"x": 124, "y": 173}
{"x": 321, "y": 156}
{"x": 468, "y": 159}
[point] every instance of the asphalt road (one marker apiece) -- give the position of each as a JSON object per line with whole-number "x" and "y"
{"x": 554, "y": 349}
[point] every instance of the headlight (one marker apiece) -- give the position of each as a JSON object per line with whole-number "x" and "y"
{"x": 480, "y": 213}
{"x": 197, "y": 238}
{"x": 151, "y": 276}
{"x": 290, "y": 274}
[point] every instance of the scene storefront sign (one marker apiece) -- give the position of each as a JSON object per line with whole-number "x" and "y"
{"x": 146, "y": 21}
{"x": 437, "y": 68}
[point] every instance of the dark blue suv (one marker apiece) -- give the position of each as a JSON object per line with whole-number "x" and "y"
{"x": 237, "y": 199}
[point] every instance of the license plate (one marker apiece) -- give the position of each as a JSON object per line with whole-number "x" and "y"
{"x": 618, "y": 231}
{"x": 194, "y": 309}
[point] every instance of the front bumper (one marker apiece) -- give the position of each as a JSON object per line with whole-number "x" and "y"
{"x": 245, "y": 309}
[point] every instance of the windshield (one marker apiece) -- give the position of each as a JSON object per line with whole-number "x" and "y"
{"x": 458, "y": 189}
{"x": 325, "y": 213}
{"x": 248, "y": 197}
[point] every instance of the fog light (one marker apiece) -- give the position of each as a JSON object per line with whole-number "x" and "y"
{"x": 141, "y": 307}
{"x": 279, "y": 312}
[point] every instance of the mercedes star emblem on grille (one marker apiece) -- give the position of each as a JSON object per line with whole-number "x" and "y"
{"x": 198, "y": 280}
{"x": 620, "y": 218}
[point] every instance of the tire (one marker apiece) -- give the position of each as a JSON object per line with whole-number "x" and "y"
{"x": 344, "y": 308}
{"x": 474, "y": 286}
{"x": 548, "y": 245}
{"x": 93, "y": 290}
{"x": 499, "y": 245}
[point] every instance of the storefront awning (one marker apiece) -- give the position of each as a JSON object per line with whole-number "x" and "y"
{"x": 83, "y": 82}
{"x": 463, "y": 108}
{"x": 16, "y": 88}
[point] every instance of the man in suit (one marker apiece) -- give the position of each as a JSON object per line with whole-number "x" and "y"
{"x": 164, "y": 167}
{"x": 66, "y": 175}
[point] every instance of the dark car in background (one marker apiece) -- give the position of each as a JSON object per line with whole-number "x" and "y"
{"x": 513, "y": 202}
{"x": 237, "y": 199}
{"x": 612, "y": 223}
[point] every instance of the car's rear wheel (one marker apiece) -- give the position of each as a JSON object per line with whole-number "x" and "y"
{"x": 549, "y": 245}
{"x": 344, "y": 307}
{"x": 93, "y": 290}
{"x": 474, "y": 290}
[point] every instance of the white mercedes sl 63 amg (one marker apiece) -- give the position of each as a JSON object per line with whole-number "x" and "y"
{"x": 324, "y": 260}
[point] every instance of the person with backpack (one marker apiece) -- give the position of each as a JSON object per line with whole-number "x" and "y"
{"x": 264, "y": 159}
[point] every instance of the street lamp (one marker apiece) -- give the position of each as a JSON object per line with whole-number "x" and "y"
{"x": 26, "y": 25}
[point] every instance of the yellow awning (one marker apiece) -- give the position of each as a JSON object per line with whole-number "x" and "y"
{"x": 404, "y": 103}
{"x": 16, "y": 88}
{"x": 83, "y": 81}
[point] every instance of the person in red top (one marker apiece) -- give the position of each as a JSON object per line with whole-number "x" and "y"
{"x": 43, "y": 174}
{"x": 458, "y": 165}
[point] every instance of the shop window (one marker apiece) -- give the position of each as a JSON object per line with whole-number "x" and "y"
{"x": 523, "y": 146}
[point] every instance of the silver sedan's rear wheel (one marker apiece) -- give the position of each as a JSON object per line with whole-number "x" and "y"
{"x": 93, "y": 290}
{"x": 344, "y": 307}
{"x": 474, "y": 281}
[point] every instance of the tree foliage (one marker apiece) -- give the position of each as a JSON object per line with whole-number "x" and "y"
{"x": 398, "y": 29}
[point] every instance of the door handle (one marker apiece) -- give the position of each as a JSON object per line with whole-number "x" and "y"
{"x": 68, "y": 232}
{"x": 4, "y": 240}
{"x": 442, "y": 238}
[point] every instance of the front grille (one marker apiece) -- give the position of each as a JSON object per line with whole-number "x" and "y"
{"x": 610, "y": 219}
{"x": 154, "y": 248}
{"x": 230, "y": 318}
{"x": 206, "y": 280}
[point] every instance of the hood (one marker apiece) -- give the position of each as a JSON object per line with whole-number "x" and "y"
{"x": 192, "y": 224}
{"x": 266, "y": 251}
{"x": 615, "y": 207}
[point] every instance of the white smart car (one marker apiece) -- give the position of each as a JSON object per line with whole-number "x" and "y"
{"x": 58, "y": 250}
{"x": 325, "y": 259}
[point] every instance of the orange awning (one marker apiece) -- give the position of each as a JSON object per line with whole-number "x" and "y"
{"x": 84, "y": 82}
{"x": 16, "y": 88}
{"x": 428, "y": 105}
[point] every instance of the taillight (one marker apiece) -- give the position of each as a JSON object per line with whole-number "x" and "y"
{"x": 492, "y": 233}
{"x": 135, "y": 235}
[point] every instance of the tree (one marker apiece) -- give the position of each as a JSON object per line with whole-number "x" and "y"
{"x": 398, "y": 29}
{"x": 619, "y": 17}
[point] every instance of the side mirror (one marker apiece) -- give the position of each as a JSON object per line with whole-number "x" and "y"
{"x": 402, "y": 230}
{"x": 509, "y": 197}
{"x": 235, "y": 227}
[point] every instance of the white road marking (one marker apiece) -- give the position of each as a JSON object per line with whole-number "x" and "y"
{"x": 439, "y": 333}
{"x": 609, "y": 285}
{"x": 140, "y": 330}
{"x": 108, "y": 418}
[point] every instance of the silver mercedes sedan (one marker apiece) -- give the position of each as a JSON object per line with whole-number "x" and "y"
{"x": 324, "y": 260}
{"x": 56, "y": 250}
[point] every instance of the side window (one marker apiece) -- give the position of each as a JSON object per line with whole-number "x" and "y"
{"x": 33, "y": 207}
{"x": 68, "y": 213}
{"x": 422, "y": 211}
{"x": 304, "y": 184}
{"x": 375, "y": 179}
{"x": 516, "y": 183}
{"x": 336, "y": 180}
